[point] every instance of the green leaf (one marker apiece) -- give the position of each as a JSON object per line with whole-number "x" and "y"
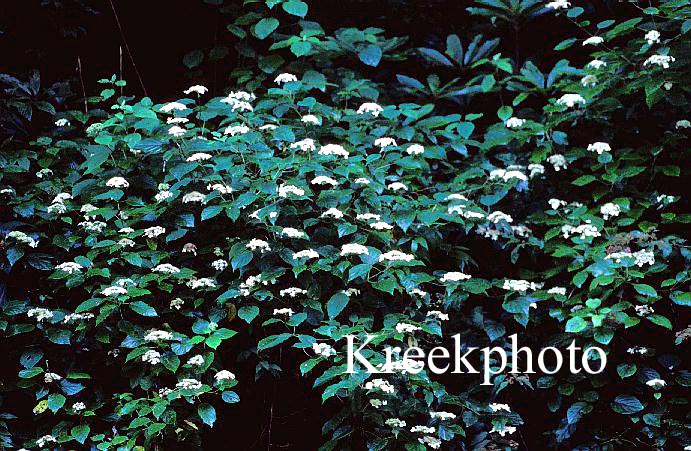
{"x": 80, "y": 433}
{"x": 143, "y": 309}
{"x": 563, "y": 45}
{"x": 645, "y": 290}
{"x": 504, "y": 112}
{"x": 230, "y": 397}
{"x": 31, "y": 372}
{"x": 270, "y": 342}
{"x": 583, "y": 180}
{"x": 55, "y": 402}
{"x": 488, "y": 82}
{"x": 336, "y": 304}
{"x": 193, "y": 58}
{"x": 211, "y": 211}
{"x": 626, "y": 370}
{"x": 265, "y": 27}
{"x": 370, "y": 55}
{"x": 660, "y": 321}
{"x": 295, "y": 7}
{"x": 300, "y": 48}
{"x": 247, "y": 313}
{"x": 626, "y": 404}
{"x": 207, "y": 413}
{"x": 681, "y": 299}
{"x": 575, "y": 325}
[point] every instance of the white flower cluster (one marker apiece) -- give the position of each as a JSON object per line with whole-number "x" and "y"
{"x": 49, "y": 378}
{"x": 285, "y": 78}
{"x": 653, "y": 37}
{"x": 571, "y": 100}
{"x": 497, "y": 407}
{"x": 114, "y": 291}
{"x": 505, "y": 175}
{"x": 239, "y": 101}
{"x": 40, "y": 314}
{"x": 558, "y": 4}
{"x": 117, "y": 182}
{"x": 153, "y": 232}
{"x": 415, "y": 149}
{"x": 443, "y": 416}
{"x": 584, "y": 231}
{"x": 594, "y": 40}
{"x": 251, "y": 282}
{"x": 22, "y": 237}
{"x": 255, "y": 244}
{"x": 224, "y": 375}
{"x": 438, "y": 315}
{"x": 610, "y": 210}
{"x": 199, "y": 156}
{"x": 558, "y": 162}
{"x": 371, "y": 108}
{"x": 292, "y": 292}
{"x": 640, "y": 258}
{"x": 405, "y": 328}
{"x": 151, "y": 357}
{"x": 234, "y": 130}
{"x": 596, "y": 64}
{"x": 334, "y": 149}
{"x": 203, "y": 282}
{"x": 166, "y": 268}
{"x": 196, "y": 360}
{"x": 395, "y": 422}
{"x": 432, "y": 442}
{"x": 521, "y": 285}
{"x": 497, "y": 216}
{"x": 189, "y": 384}
{"x": 307, "y": 253}
{"x": 305, "y": 145}
{"x": 323, "y": 349}
{"x": 659, "y": 60}
{"x": 655, "y": 383}
{"x": 288, "y": 312}
{"x": 77, "y": 317}
{"x": 454, "y": 276}
{"x": 354, "y": 249}
{"x": 514, "y": 122}
{"x": 284, "y": 190}
{"x": 58, "y": 204}
{"x": 381, "y": 385}
{"x": 378, "y": 403}
{"x": 385, "y": 142}
{"x": 396, "y": 256}
{"x": 503, "y": 431}
{"x": 324, "y": 180}
{"x": 69, "y": 267}
{"x": 43, "y": 441}
{"x": 158, "y": 335}
{"x": 194, "y": 196}
{"x": 599, "y": 147}
{"x": 643, "y": 310}
{"x": 78, "y": 407}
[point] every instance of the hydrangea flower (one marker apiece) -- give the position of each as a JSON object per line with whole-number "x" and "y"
{"x": 285, "y": 78}
{"x": 197, "y": 89}
{"x": 594, "y": 40}
{"x": 371, "y": 108}
{"x": 571, "y": 100}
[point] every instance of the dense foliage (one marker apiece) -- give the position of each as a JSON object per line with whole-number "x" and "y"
{"x": 162, "y": 257}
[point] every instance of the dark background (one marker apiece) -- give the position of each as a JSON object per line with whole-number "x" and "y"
{"x": 81, "y": 42}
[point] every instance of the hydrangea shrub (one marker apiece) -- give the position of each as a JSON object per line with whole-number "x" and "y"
{"x": 159, "y": 238}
